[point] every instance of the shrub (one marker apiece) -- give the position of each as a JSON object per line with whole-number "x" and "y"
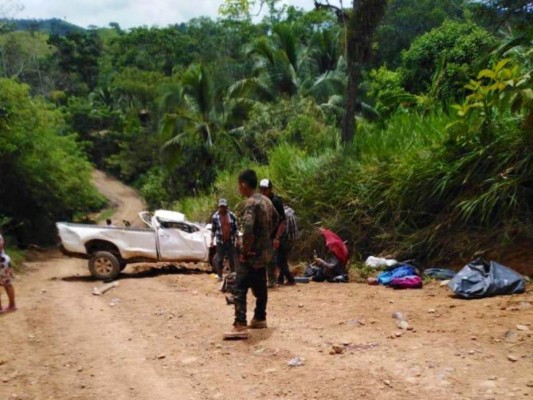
{"x": 45, "y": 176}
{"x": 455, "y": 47}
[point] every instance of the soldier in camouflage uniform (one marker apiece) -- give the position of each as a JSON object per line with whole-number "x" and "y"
{"x": 260, "y": 219}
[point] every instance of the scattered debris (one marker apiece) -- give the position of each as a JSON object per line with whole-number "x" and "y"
{"x": 115, "y": 301}
{"x": 161, "y": 356}
{"x": 189, "y": 360}
{"x": 522, "y": 328}
{"x": 368, "y": 346}
{"x": 402, "y": 324}
{"x": 356, "y": 322}
{"x": 512, "y": 358}
{"x": 511, "y": 336}
{"x": 379, "y": 262}
{"x": 296, "y": 362}
{"x": 104, "y": 288}
{"x": 387, "y": 382}
{"x": 431, "y": 311}
{"x": 445, "y": 283}
{"x": 401, "y": 321}
{"x": 337, "y": 349}
{"x": 259, "y": 350}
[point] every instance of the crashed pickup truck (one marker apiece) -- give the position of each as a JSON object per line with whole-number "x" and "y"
{"x": 168, "y": 237}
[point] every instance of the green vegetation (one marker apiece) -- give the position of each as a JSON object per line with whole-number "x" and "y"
{"x": 53, "y": 26}
{"x": 438, "y": 166}
{"x": 44, "y": 175}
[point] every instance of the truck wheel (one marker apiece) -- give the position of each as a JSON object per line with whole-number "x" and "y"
{"x": 104, "y": 265}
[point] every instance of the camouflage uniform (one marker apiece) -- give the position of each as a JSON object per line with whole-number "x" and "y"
{"x": 260, "y": 219}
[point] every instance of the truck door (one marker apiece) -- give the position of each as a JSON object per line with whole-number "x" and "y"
{"x": 177, "y": 245}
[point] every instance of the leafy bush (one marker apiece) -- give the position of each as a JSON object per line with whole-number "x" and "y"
{"x": 384, "y": 86}
{"x": 450, "y": 54}
{"x": 297, "y": 121}
{"x": 45, "y": 176}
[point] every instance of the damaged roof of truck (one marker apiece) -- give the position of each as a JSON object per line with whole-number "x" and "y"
{"x": 169, "y": 216}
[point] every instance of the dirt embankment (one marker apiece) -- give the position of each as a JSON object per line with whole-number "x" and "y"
{"x": 124, "y": 200}
{"x": 158, "y": 335}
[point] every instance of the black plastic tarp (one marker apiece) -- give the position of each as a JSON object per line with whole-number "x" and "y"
{"x": 480, "y": 279}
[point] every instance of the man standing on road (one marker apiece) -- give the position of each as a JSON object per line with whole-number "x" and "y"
{"x": 260, "y": 219}
{"x": 224, "y": 232}
{"x": 281, "y": 246}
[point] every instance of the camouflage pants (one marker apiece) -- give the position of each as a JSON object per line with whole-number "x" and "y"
{"x": 256, "y": 280}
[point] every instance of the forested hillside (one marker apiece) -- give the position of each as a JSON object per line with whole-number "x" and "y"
{"x": 436, "y": 164}
{"x": 53, "y": 26}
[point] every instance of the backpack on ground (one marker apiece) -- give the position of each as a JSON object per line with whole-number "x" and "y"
{"x": 407, "y": 282}
{"x": 292, "y": 232}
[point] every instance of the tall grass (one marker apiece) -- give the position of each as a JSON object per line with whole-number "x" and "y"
{"x": 408, "y": 189}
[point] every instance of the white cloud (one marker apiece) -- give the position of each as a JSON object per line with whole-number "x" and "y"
{"x": 128, "y": 13}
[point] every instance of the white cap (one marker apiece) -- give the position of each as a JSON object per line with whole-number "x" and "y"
{"x": 265, "y": 183}
{"x": 223, "y": 202}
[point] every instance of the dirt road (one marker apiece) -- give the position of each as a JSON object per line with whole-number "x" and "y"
{"x": 158, "y": 336}
{"x": 123, "y": 199}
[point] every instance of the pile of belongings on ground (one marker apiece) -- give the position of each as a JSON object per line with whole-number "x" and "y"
{"x": 399, "y": 276}
{"x": 403, "y": 275}
{"x": 478, "y": 279}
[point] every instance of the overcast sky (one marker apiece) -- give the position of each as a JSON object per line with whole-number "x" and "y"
{"x": 127, "y": 13}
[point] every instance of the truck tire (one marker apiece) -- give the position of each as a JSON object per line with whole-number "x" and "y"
{"x": 104, "y": 265}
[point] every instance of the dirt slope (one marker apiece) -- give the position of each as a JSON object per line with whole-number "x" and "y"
{"x": 123, "y": 199}
{"x": 158, "y": 336}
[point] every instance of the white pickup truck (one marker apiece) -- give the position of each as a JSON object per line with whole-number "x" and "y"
{"x": 168, "y": 237}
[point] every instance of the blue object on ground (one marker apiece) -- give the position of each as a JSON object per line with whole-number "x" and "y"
{"x": 439, "y": 273}
{"x": 480, "y": 279}
{"x": 401, "y": 270}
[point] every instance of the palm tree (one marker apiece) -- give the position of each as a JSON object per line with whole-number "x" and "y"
{"x": 285, "y": 67}
{"x": 195, "y": 106}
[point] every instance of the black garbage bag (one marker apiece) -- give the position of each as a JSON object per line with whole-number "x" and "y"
{"x": 480, "y": 279}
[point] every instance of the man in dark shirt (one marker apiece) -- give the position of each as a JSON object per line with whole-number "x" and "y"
{"x": 260, "y": 218}
{"x": 279, "y": 241}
